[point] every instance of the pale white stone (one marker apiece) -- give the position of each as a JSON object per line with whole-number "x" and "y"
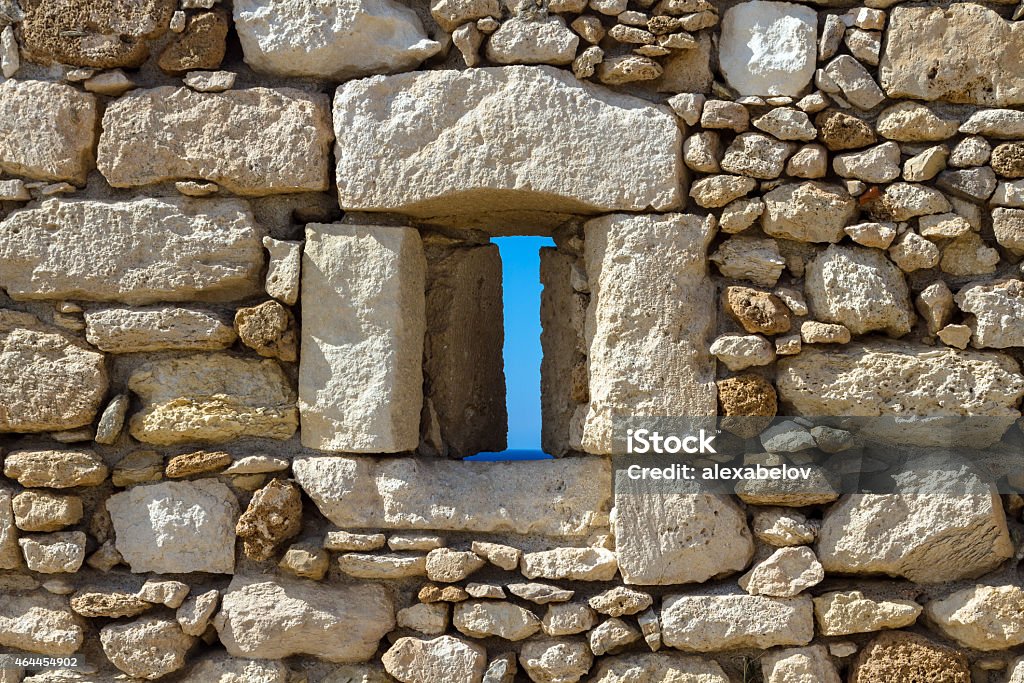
{"x": 799, "y": 665}
{"x": 782, "y": 527}
{"x": 412, "y": 660}
{"x": 568, "y": 618}
{"x": 519, "y": 177}
{"x": 845, "y": 613}
{"x": 785, "y": 573}
{"x": 556, "y": 661}
{"x": 740, "y": 351}
{"x": 787, "y": 124}
{"x": 756, "y": 156}
{"x": 995, "y": 123}
{"x": 147, "y": 648}
{"x": 981, "y": 617}
{"x": 750, "y": 258}
{"x": 912, "y": 252}
{"x": 56, "y": 553}
{"x": 40, "y": 623}
{"x": 875, "y": 165}
{"x": 708, "y": 623}
{"x": 139, "y": 330}
{"x": 176, "y": 527}
{"x": 450, "y": 14}
{"x": 994, "y": 313}
{"x": 808, "y": 212}
{"x": 331, "y": 40}
{"x": 431, "y": 619}
{"x": 219, "y": 667}
{"x": 853, "y": 79}
{"x": 522, "y": 40}
{"x": 571, "y": 564}
{"x": 447, "y": 565}
{"x": 210, "y": 81}
{"x": 482, "y": 619}
{"x": 363, "y": 299}
{"x": 283, "y": 270}
{"x": 768, "y": 48}
{"x": 658, "y": 668}
{"x": 281, "y": 617}
{"x": 195, "y": 613}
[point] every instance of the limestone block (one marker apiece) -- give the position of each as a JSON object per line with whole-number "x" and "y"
{"x": 283, "y": 270}
{"x": 55, "y": 469}
{"x": 44, "y": 511}
{"x": 147, "y": 648}
{"x": 57, "y": 553}
{"x": 334, "y": 41}
{"x": 570, "y": 564}
{"x": 639, "y": 269}
{"x": 40, "y": 623}
{"x": 497, "y": 140}
{"x": 841, "y": 614}
{"x": 708, "y": 623}
{"x": 994, "y": 313}
{"x": 49, "y": 380}
{"x": 274, "y": 619}
{"x": 558, "y": 498}
{"x": 412, "y": 660}
{"x": 257, "y": 141}
{"x": 165, "y": 328}
{"x": 482, "y": 619}
{"x": 463, "y": 368}
{"x": 966, "y": 53}
{"x": 176, "y": 527}
{"x": 785, "y": 573}
{"x": 939, "y": 384}
{"x": 521, "y": 40}
{"x": 768, "y": 48}
{"x": 664, "y": 538}
{"x": 10, "y": 552}
{"x": 47, "y": 130}
{"x": 223, "y": 668}
{"x": 981, "y": 617}
{"x": 212, "y": 398}
{"x": 556, "y": 660}
{"x": 799, "y": 665}
{"x": 808, "y": 212}
{"x": 908, "y": 656}
{"x": 658, "y": 668}
{"x": 363, "y": 325}
{"x": 561, "y": 343}
{"x": 137, "y": 252}
{"x": 100, "y": 33}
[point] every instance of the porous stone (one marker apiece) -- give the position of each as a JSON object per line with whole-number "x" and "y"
{"x": 571, "y": 564}
{"x": 199, "y": 462}
{"x": 903, "y": 201}
{"x": 522, "y": 40}
{"x": 912, "y": 252}
{"x": 921, "y": 382}
{"x": 858, "y": 288}
{"x": 785, "y": 573}
{"x": 223, "y": 668}
{"x": 540, "y": 593}
{"x": 51, "y": 380}
{"x": 636, "y": 144}
{"x": 757, "y": 311}
{"x": 269, "y": 330}
{"x": 431, "y": 619}
{"x": 414, "y": 660}
{"x": 138, "y": 467}
{"x": 787, "y": 124}
{"x": 195, "y": 613}
{"x": 305, "y": 561}
{"x": 108, "y": 605}
{"x": 768, "y": 48}
{"x": 201, "y": 45}
{"x": 450, "y": 14}
{"x": 356, "y": 492}
{"x": 995, "y": 123}
{"x": 10, "y": 552}
{"x": 176, "y": 527}
{"x": 981, "y": 617}
{"x": 1008, "y": 227}
{"x": 43, "y": 511}
{"x": 483, "y": 619}
{"x": 671, "y": 250}
{"x": 447, "y": 565}
{"x": 702, "y": 152}
{"x": 993, "y": 313}
{"x": 911, "y": 657}
{"x": 383, "y": 566}
{"x": 497, "y": 554}
{"x": 257, "y": 141}
{"x": 167, "y": 593}
{"x": 278, "y": 618}
{"x": 875, "y": 165}
{"x": 138, "y": 251}
{"x": 555, "y": 660}
{"x": 810, "y": 161}
{"x": 612, "y": 635}
{"x": 346, "y": 403}
{"x": 568, "y": 618}
{"x": 783, "y": 528}
{"x": 755, "y": 259}
{"x": 747, "y": 402}
{"x": 845, "y": 613}
{"x": 914, "y": 122}
{"x": 741, "y": 351}
{"x": 799, "y": 665}
{"x": 708, "y": 623}
{"x": 658, "y": 668}
{"x": 47, "y": 130}
{"x": 965, "y": 54}
{"x": 167, "y": 328}
{"x": 331, "y": 41}
{"x": 40, "y": 623}
{"x": 1008, "y": 159}
{"x": 416, "y": 541}
{"x": 212, "y": 398}
{"x": 841, "y": 131}
{"x": 814, "y": 332}
{"x": 878, "y": 235}
{"x": 739, "y": 215}
{"x": 283, "y": 270}
{"x": 756, "y": 155}
{"x": 621, "y": 600}
{"x": 148, "y": 648}
{"x": 808, "y": 212}
{"x": 346, "y": 540}
{"x": 274, "y": 515}
{"x": 55, "y": 469}
{"x": 56, "y": 553}
{"x": 970, "y": 152}
{"x": 718, "y": 190}
{"x": 723, "y": 114}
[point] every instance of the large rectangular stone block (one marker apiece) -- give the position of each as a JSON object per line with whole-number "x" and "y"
{"x": 513, "y": 148}
{"x": 138, "y": 251}
{"x": 256, "y": 141}
{"x": 557, "y": 498}
{"x": 465, "y": 378}
{"x": 649, "y": 323}
{"x": 47, "y": 130}
{"x": 363, "y": 323}
{"x": 561, "y": 343}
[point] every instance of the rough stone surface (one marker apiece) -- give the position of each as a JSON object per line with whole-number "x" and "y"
{"x": 40, "y": 623}
{"x": 747, "y": 404}
{"x": 556, "y": 661}
{"x": 565, "y": 498}
{"x": 982, "y": 617}
{"x": 808, "y": 212}
{"x": 412, "y": 660}
{"x": 671, "y": 250}
{"x": 570, "y": 564}
{"x": 799, "y": 665}
{"x": 334, "y": 41}
{"x": 768, "y": 48}
{"x": 176, "y": 527}
{"x": 993, "y": 313}
{"x": 273, "y": 619}
{"x": 479, "y": 619}
{"x": 139, "y": 251}
{"x": 845, "y": 613}
{"x": 785, "y": 573}
{"x": 55, "y": 469}
{"x": 274, "y": 515}
{"x": 212, "y": 398}
{"x": 705, "y": 623}
{"x": 166, "y": 328}
{"x": 347, "y": 404}
{"x": 251, "y": 142}
{"x": 51, "y": 380}
{"x": 269, "y": 330}
{"x": 148, "y": 648}
{"x": 603, "y": 129}
{"x": 658, "y": 668}
{"x": 47, "y": 130}
{"x": 910, "y": 657}
{"x": 57, "y": 553}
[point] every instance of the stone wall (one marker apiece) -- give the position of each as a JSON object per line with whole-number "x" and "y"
{"x": 250, "y": 324}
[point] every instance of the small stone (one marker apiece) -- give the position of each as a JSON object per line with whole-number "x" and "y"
{"x": 451, "y": 566}
{"x": 786, "y": 573}
{"x": 147, "y": 648}
{"x": 108, "y": 605}
{"x": 726, "y": 115}
{"x": 969, "y": 255}
{"x": 55, "y": 469}
{"x": 787, "y": 437}
{"x": 756, "y": 311}
{"x": 502, "y": 556}
{"x": 415, "y": 541}
{"x": 756, "y": 156}
{"x": 620, "y": 601}
{"x": 568, "y": 618}
{"x": 555, "y": 661}
{"x": 585, "y": 65}
{"x": 383, "y": 566}
{"x": 1009, "y": 194}
{"x": 305, "y": 561}
{"x": 687, "y": 106}
{"x": 573, "y": 564}
{"x": 590, "y": 29}
{"x": 809, "y": 212}
{"x": 628, "y": 69}
{"x": 912, "y": 252}
{"x": 788, "y": 345}
{"x": 908, "y": 656}
{"x": 113, "y": 83}
{"x": 970, "y": 152}
{"x": 856, "y": 83}
{"x": 711, "y": 623}
{"x": 810, "y": 161}
{"x": 875, "y": 165}
{"x": 283, "y": 270}
{"x": 168, "y": 593}
{"x": 468, "y": 39}
{"x": 718, "y": 190}
{"x": 904, "y": 201}
{"x": 612, "y": 636}
{"x": 995, "y": 123}
{"x": 540, "y": 593}
{"x": 864, "y": 45}
{"x": 61, "y": 552}
{"x": 105, "y": 558}
{"x": 702, "y": 152}
{"x": 345, "y": 540}
{"x": 210, "y": 81}
{"x": 914, "y": 122}
{"x": 747, "y": 402}
{"x": 970, "y": 617}
{"x": 926, "y": 165}
{"x": 975, "y": 184}
{"x": 1008, "y": 159}
{"x": 479, "y": 619}
{"x": 274, "y": 515}
{"x": 195, "y": 613}
{"x": 257, "y": 464}
{"x": 268, "y": 329}
{"x": 784, "y": 528}
{"x": 739, "y": 215}
{"x": 201, "y": 45}
{"x": 412, "y": 660}
{"x": 138, "y": 467}
{"x": 787, "y": 124}
{"x": 845, "y": 613}
{"x": 935, "y": 304}
{"x": 799, "y": 665}
{"x": 521, "y": 40}
{"x": 943, "y": 226}
{"x": 431, "y": 619}
{"x": 502, "y": 669}
{"x": 485, "y": 590}
{"x": 750, "y": 258}
{"x": 841, "y": 131}
{"x": 42, "y": 511}
{"x": 739, "y": 351}
{"x": 878, "y": 235}
{"x": 450, "y": 14}
{"x": 200, "y": 462}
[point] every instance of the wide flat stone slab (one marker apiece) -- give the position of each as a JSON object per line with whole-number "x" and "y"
{"x": 512, "y": 148}
{"x": 363, "y": 324}
{"x": 257, "y": 141}
{"x": 559, "y": 498}
{"x": 138, "y": 251}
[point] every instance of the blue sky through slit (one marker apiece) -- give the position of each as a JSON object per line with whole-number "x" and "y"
{"x": 520, "y": 262}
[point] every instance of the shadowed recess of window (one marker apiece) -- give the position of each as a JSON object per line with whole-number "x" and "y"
{"x": 520, "y": 263}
